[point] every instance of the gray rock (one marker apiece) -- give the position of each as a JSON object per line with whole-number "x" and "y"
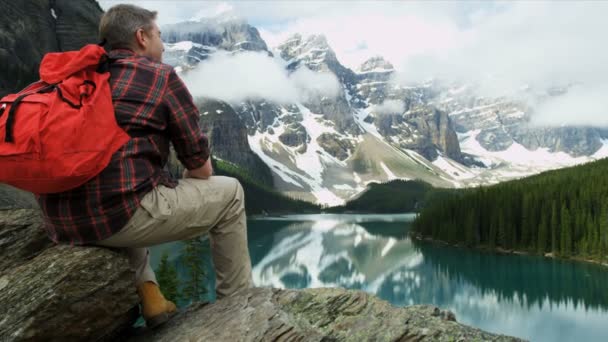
{"x": 228, "y": 139}
{"x": 82, "y": 17}
{"x": 13, "y": 198}
{"x": 326, "y": 314}
{"x": 28, "y": 30}
{"x": 60, "y": 293}
{"x": 426, "y": 130}
{"x": 294, "y": 135}
{"x": 22, "y": 237}
{"x": 334, "y": 145}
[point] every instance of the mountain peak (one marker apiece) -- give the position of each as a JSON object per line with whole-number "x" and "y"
{"x": 376, "y": 64}
{"x": 316, "y": 41}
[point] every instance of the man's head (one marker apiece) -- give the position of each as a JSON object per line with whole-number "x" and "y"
{"x": 132, "y": 27}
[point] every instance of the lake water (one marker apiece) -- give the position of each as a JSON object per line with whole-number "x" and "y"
{"x": 530, "y": 297}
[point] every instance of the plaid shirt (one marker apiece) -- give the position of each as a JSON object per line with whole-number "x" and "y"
{"x": 154, "y": 107}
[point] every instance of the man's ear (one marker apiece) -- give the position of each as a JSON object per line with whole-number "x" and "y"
{"x": 140, "y": 38}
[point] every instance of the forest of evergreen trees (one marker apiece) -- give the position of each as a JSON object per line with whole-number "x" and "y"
{"x": 395, "y": 196}
{"x": 191, "y": 289}
{"x": 564, "y": 212}
{"x": 260, "y": 199}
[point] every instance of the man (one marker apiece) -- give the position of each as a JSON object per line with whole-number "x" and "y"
{"x": 134, "y": 203}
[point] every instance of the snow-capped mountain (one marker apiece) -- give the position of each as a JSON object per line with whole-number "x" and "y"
{"x": 195, "y": 41}
{"x": 326, "y": 148}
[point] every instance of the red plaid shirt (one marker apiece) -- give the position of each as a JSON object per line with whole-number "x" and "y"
{"x": 154, "y": 107}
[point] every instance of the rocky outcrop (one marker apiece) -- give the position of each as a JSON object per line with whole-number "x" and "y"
{"x": 13, "y": 198}
{"x": 82, "y": 17}
{"x": 294, "y": 135}
{"x": 29, "y": 29}
{"x": 425, "y": 130}
{"x": 437, "y": 133}
{"x": 339, "y": 148}
{"x": 264, "y": 314}
{"x": 60, "y": 293}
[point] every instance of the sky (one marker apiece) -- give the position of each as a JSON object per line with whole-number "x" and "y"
{"x": 501, "y": 46}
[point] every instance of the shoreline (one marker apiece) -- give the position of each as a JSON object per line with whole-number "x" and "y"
{"x": 499, "y": 250}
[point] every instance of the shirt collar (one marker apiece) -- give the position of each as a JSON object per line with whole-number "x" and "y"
{"x": 122, "y": 53}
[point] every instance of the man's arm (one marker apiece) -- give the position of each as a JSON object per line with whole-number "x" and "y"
{"x": 191, "y": 145}
{"x": 202, "y": 172}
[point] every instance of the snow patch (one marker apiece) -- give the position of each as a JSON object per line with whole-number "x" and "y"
{"x": 343, "y": 187}
{"x": 388, "y": 172}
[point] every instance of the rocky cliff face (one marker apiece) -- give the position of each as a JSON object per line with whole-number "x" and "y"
{"x": 503, "y": 121}
{"x": 222, "y": 32}
{"x": 191, "y": 42}
{"x": 228, "y": 138}
{"x": 29, "y": 29}
{"x": 265, "y": 314}
{"x": 62, "y": 293}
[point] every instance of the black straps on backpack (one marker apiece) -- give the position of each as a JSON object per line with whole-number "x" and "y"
{"x": 10, "y": 120}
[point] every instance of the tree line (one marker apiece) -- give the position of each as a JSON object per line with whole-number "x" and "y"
{"x": 564, "y": 212}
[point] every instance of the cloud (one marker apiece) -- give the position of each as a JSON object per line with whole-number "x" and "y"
{"x": 312, "y": 84}
{"x": 542, "y": 45}
{"x": 390, "y": 107}
{"x": 253, "y": 75}
{"x": 580, "y": 106}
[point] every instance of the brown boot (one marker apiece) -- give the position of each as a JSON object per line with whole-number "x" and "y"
{"x": 155, "y": 308}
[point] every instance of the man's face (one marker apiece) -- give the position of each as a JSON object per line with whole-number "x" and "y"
{"x": 154, "y": 45}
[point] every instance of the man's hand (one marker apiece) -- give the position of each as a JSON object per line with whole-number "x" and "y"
{"x": 202, "y": 172}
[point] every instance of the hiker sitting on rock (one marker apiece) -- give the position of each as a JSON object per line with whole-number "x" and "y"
{"x": 134, "y": 203}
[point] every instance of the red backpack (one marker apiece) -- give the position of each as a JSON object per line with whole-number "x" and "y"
{"x": 60, "y": 132}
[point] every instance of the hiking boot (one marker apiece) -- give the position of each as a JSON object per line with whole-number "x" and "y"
{"x": 155, "y": 308}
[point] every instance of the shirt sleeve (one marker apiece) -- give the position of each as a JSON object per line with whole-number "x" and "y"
{"x": 191, "y": 145}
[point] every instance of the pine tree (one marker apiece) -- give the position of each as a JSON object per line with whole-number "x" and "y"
{"x": 525, "y": 223}
{"x": 566, "y": 232}
{"x": 502, "y": 230}
{"x": 166, "y": 275}
{"x": 195, "y": 286}
{"x": 603, "y": 231}
{"x": 492, "y": 235}
{"x": 554, "y": 229}
{"x": 542, "y": 235}
{"x": 470, "y": 229}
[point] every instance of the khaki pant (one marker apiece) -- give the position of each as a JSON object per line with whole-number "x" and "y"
{"x": 215, "y": 206}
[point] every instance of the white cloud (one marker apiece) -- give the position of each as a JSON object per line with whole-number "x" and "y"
{"x": 253, "y": 75}
{"x": 390, "y": 107}
{"x": 314, "y": 84}
{"x": 580, "y": 106}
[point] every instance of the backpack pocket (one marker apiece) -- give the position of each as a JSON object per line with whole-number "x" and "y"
{"x": 20, "y": 127}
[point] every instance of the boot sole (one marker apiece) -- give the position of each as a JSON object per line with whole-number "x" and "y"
{"x": 157, "y": 320}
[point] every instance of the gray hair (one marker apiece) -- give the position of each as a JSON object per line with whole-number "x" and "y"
{"x": 119, "y": 24}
